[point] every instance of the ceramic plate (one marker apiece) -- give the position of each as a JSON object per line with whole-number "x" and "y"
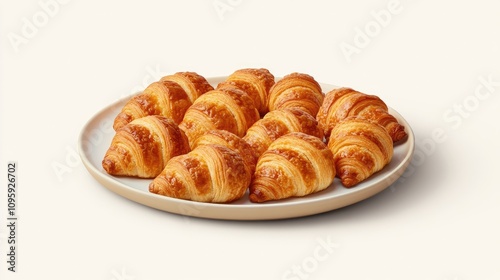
{"x": 97, "y": 134}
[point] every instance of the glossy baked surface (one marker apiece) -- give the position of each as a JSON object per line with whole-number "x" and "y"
{"x": 136, "y": 190}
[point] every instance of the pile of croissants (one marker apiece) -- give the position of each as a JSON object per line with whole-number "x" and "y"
{"x": 252, "y": 134}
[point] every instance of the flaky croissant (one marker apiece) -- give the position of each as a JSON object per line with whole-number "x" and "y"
{"x": 296, "y": 90}
{"x": 345, "y": 102}
{"x": 193, "y": 84}
{"x": 360, "y": 148}
{"x": 256, "y": 82}
{"x": 231, "y": 140}
{"x": 227, "y": 108}
{"x": 142, "y": 147}
{"x": 209, "y": 173}
{"x": 296, "y": 164}
{"x": 164, "y": 98}
{"x": 277, "y": 123}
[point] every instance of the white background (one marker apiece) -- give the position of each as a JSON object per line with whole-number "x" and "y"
{"x": 439, "y": 222}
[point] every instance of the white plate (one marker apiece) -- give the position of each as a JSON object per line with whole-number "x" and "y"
{"x": 96, "y": 136}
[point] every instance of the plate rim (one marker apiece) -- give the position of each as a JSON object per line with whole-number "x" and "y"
{"x": 216, "y": 210}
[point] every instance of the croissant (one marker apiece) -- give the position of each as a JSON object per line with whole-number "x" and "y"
{"x": 163, "y": 98}
{"x": 296, "y": 90}
{"x": 256, "y": 82}
{"x": 209, "y": 173}
{"x": 227, "y": 108}
{"x": 231, "y": 140}
{"x": 294, "y": 165}
{"x": 345, "y": 102}
{"x": 277, "y": 123}
{"x": 142, "y": 147}
{"x": 360, "y": 148}
{"x": 193, "y": 84}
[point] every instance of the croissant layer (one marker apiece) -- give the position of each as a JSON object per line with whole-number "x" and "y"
{"x": 191, "y": 82}
{"x": 277, "y": 123}
{"x": 256, "y": 82}
{"x": 360, "y": 148}
{"x": 294, "y": 165}
{"x": 165, "y": 98}
{"x": 209, "y": 173}
{"x": 296, "y": 90}
{"x": 342, "y": 103}
{"x": 231, "y": 140}
{"x": 142, "y": 147}
{"x": 228, "y": 108}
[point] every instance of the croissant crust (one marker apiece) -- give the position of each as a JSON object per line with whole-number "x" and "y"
{"x": 209, "y": 173}
{"x": 342, "y": 103}
{"x": 163, "y": 98}
{"x": 227, "y": 108}
{"x": 231, "y": 140}
{"x": 142, "y": 147}
{"x": 360, "y": 148}
{"x": 256, "y": 82}
{"x": 296, "y": 90}
{"x": 294, "y": 165}
{"x": 193, "y": 84}
{"x": 277, "y": 123}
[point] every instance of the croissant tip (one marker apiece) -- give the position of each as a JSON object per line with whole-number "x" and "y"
{"x": 108, "y": 165}
{"x": 256, "y": 196}
{"x": 402, "y": 135}
{"x": 255, "y": 199}
{"x": 117, "y": 125}
{"x": 349, "y": 182}
{"x": 121, "y": 120}
{"x": 152, "y": 188}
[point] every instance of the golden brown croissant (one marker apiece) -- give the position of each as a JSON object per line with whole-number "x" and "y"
{"x": 231, "y": 140}
{"x": 256, "y": 82}
{"x": 228, "y": 108}
{"x": 344, "y": 102}
{"x": 296, "y": 164}
{"x": 192, "y": 83}
{"x": 277, "y": 123}
{"x": 142, "y": 147}
{"x": 296, "y": 90}
{"x": 163, "y": 98}
{"x": 209, "y": 173}
{"x": 360, "y": 148}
